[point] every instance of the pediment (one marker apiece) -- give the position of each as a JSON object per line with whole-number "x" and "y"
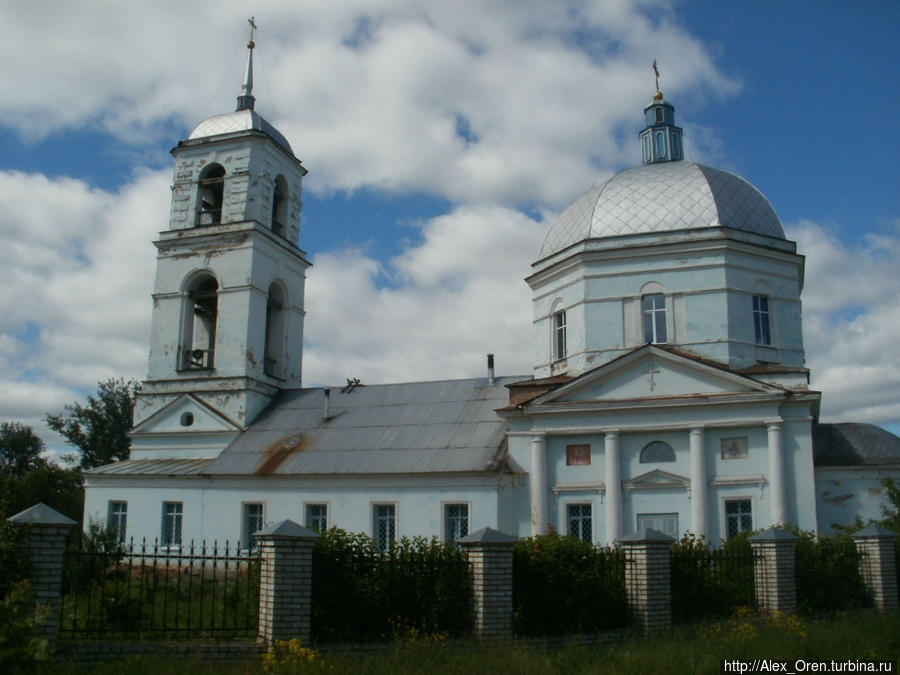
{"x": 650, "y": 372}
{"x": 656, "y": 479}
{"x": 172, "y": 418}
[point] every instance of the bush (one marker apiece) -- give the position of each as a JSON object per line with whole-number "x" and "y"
{"x": 20, "y": 642}
{"x": 564, "y": 585}
{"x": 362, "y": 594}
{"x": 828, "y": 576}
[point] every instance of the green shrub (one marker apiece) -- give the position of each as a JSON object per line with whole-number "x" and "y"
{"x": 828, "y": 576}
{"x": 564, "y": 585}
{"x": 21, "y": 645}
{"x": 362, "y": 594}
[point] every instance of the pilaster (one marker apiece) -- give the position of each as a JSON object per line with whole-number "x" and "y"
{"x": 490, "y": 555}
{"x": 878, "y": 565}
{"x": 648, "y": 578}
{"x": 774, "y": 570}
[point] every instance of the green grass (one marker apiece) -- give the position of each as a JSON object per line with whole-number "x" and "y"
{"x": 695, "y": 649}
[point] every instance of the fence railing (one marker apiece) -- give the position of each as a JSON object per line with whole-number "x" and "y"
{"x": 148, "y": 590}
{"x": 708, "y": 584}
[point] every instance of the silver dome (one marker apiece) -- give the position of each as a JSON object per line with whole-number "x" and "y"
{"x": 664, "y": 197}
{"x": 238, "y": 121}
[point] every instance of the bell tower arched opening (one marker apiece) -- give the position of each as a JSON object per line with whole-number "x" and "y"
{"x": 279, "y": 206}
{"x": 211, "y": 195}
{"x": 275, "y": 324}
{"x": 199, "y": 319}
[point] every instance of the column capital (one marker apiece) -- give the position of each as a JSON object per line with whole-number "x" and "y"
{"x": 774, "y": 425}
{"x": 611, "y": 433}
{"x": 698, "y": 430}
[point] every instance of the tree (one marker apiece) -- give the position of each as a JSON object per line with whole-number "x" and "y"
{"x": 99, "y": 428}
{"x": 20, "y": 449}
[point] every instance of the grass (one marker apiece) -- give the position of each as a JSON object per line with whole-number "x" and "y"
{"x": 693, "y": 649}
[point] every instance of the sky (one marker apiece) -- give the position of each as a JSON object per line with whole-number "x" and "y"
{"x": 442, "y": 140}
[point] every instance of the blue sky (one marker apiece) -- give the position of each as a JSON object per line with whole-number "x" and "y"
{"x": 442, "y": 140}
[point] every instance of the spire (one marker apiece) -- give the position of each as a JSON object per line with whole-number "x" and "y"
{"x": 660, "y": 139}
{"x": 246, "y": 100}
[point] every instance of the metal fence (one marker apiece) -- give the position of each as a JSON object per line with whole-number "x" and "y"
{"x": 708, "y": 584}
{"x": 158, "y": 592}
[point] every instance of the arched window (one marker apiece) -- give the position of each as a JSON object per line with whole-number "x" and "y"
{"x": 659, "y": 115}
{"x": 199, "y": 318}
{"x": 657, "y": 451}
{"x": 279, "y": 206}
{"x": 211, "y": 195}
{"x": 558, "y": 327}
{"x": 660, "y": 144}
{"x": 273, "y": 362}
{"x": 653, "y": 309}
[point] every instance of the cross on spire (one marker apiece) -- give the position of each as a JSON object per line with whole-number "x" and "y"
{"x": 656, "y": 72}
{"x": 246, "y": 100}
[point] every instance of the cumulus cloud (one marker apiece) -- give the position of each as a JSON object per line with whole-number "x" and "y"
{"x": 851, "y": 313}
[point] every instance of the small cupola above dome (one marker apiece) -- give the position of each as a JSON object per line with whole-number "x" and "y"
{"x": 660, "y": 139}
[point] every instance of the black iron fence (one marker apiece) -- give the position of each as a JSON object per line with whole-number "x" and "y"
{"x": 150, "y": 591}
{"x": 708, "y": 584}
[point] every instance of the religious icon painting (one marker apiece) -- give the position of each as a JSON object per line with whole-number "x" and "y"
{"x": 578, "y": 455}
{"x": 734, "y": 448}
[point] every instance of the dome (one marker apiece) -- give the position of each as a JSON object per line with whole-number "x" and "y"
{"x": 663, "y": 197}
{"x": 236, "y": 122}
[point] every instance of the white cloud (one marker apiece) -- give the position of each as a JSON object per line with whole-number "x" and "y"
{"x": 851, "y": 315}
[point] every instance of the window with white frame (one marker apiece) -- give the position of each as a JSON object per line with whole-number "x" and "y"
{"x": 171, "y": 523}
{"x": 761, "y": 320}
{"x": 559, "y": 335}
{"x": 317, "y": 517}
{"x": 456, "y": 521}
{"x": 384, "y": 525}
{"x": 738, "y": 516}
{"x": 667, "y": 523}
{"x": 117, "y": 519}
{"x": 251, "y": 523}
{"x": 580, "y": 521}
{"x": 653, "y": 309}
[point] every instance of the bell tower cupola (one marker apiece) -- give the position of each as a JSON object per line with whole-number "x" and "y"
{"x": 660, "y": 138}
{"x": 228, "y": 307}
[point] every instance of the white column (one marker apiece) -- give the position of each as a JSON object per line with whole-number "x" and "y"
{"x": 779, "y": 514}
{"x": 699, "y": 485}
{"x": 613, "y": 487}
{"x": 538, "y": 477}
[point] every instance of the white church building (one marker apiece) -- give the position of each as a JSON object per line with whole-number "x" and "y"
{"x": 669, "y": 388}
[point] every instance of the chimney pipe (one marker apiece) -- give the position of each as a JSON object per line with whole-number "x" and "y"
{"x": 490, "y": 369}
{"x": 327, "y": 399}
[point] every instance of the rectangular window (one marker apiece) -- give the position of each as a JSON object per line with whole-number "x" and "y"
{"x": 171, "y": 525}
{"x": 384, "y": 524}
{"x": 738, "y": 516}
{"x": 761, "y": 320}
{"x": 578, "y": 455}
{"x": 667, "y": 523}
{"x": 653, "y": 308}
{"x": 456, "y": 521}
{"x": 580, "y": 520}
{"x": 559, "y": 335}
{"x": 317, "y": 517}
{"x": 117, "y": 519}
{"x": 252, "y": 522}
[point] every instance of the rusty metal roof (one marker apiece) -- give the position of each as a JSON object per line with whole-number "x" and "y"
{"x": 417, "y": 427}
{"x": 153, "y": 467}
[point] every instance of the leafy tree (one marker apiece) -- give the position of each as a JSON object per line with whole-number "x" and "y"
{"x": 891, "y": 512}
{"x": 20, "y": 449}
{"x": 99, "y": 428}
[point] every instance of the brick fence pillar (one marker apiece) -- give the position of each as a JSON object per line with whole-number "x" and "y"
{"x": 878, "y": 565}
{"x": 648, "y": 578}
{"x": 490, "y": 555}
{"x": 46, "y": 532}
{"x": 775, "y": 570}
{"x": 285, "y": 582}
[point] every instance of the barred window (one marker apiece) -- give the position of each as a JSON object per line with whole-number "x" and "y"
{"x": 580, "y": 521}
{"x": 384, "y": 525}
{"x": 171, "y": 525}
{"x": 657, "y": 451}
{"x": 456, "y": 521}
{"x": 117, "y": 519}
{"x": 252, "y": 523}
{"x": 317, "y": 517}
{"x": 738, "y": 516}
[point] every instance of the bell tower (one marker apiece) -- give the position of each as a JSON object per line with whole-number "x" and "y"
{"x": 227, "y": 323}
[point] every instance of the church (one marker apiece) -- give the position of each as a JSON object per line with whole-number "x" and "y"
{"x": 669, "y": 387}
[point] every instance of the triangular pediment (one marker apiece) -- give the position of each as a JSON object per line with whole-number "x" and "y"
{"x": 650, "y": 372}
{"x": 657, "y": 479}
{"x": 184, "y": 415}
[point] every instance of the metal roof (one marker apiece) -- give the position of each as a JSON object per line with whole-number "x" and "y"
{"x": 848, "y": 444}
{"x": 417, "y": 427}
{"x": 153, "y": 467}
